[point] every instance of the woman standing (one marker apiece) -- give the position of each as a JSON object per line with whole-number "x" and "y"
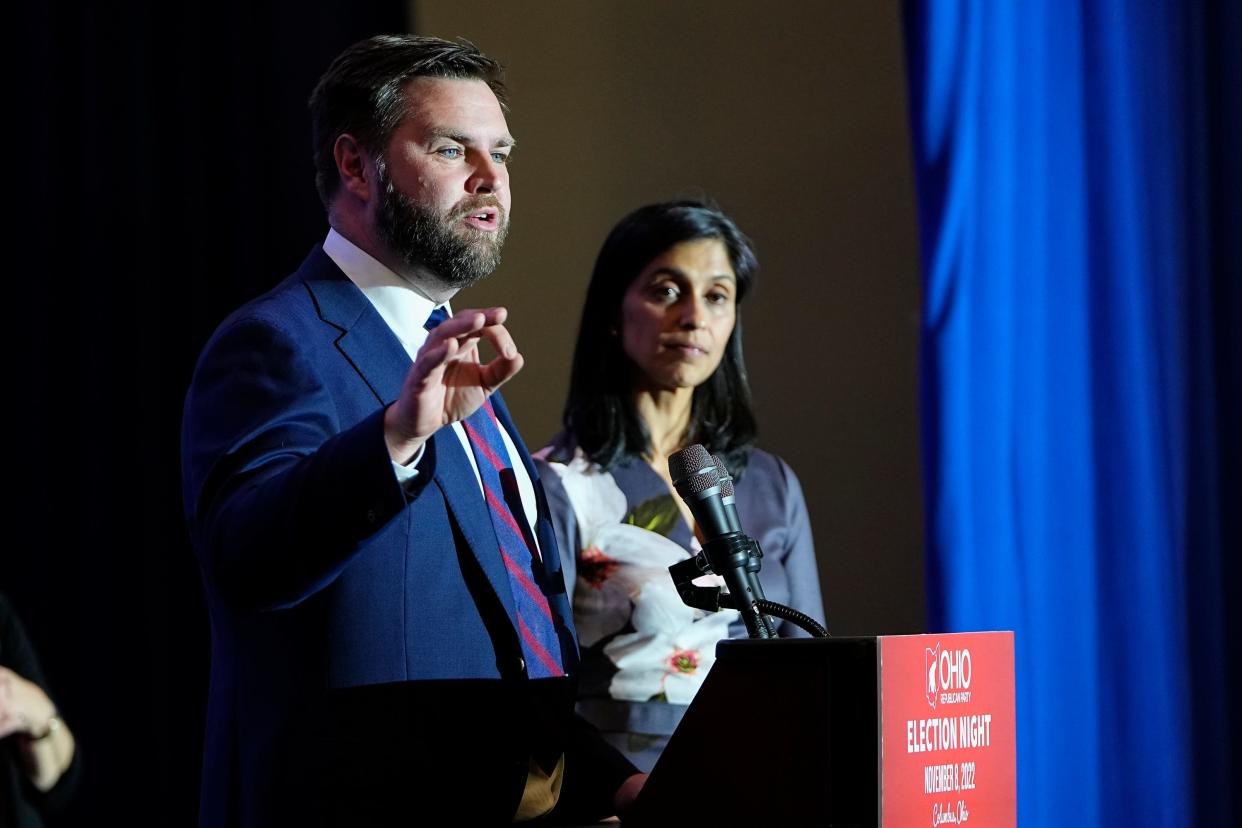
{"x": 658, "y": 366}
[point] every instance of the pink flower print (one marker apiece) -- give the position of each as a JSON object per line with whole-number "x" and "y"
{"x": 684, "y": 661}
{"x": 595, "y": 567}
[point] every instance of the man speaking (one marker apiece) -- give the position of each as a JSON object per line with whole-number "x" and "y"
{"x": 390, "y": 634}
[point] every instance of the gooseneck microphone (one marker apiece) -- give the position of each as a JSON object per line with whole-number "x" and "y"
{"x": 727, "y": 551}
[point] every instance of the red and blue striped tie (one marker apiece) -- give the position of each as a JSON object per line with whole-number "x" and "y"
{"x": 536, "y": 627}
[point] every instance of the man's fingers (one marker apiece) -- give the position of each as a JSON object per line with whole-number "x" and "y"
{"x": 500, "y": 338}
{"x": 450, "y": 358}
{"x": 431, "y": 361}
{"x": 500, "y": 370}
{"x": 468, "y": 321}
{"x": 466, "y": 347}
{"x": 459, "y": 324}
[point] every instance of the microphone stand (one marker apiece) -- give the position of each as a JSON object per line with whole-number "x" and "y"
{"x": 707, "y": 487}
{"x": 712, "y": 599}
{"x": 736, "y": 558}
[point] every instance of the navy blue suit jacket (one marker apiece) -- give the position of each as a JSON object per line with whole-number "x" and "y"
{"x": 365, "y": 664}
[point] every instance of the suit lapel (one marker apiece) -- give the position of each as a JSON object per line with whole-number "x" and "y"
{"x": 546, "y": 536}
{"x": 455, "y": 477}
{"x": 543, "y": 525}
{"x": 366, "y": 340}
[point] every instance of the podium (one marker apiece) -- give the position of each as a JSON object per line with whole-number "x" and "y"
{"x": 892, "y": 731}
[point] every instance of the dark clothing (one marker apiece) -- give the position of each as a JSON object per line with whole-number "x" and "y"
{"x": 21, "y": 804}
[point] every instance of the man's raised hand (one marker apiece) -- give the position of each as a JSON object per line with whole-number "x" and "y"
{"x": 448, "y": 382}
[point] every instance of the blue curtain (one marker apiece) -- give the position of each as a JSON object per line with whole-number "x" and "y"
{"x": 1079, "y": 187}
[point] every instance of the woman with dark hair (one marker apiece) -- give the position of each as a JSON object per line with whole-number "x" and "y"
{"x": 658, "y": 366}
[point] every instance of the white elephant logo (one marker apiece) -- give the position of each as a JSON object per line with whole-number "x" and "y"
{"x": 931, "y": 659}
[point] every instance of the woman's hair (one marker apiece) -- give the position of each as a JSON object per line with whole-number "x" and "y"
{"x": 600, "y": 409}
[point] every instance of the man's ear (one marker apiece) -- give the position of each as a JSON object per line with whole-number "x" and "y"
{"x": 353, "y": 165}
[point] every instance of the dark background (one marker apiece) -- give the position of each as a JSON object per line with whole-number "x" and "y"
{"x": 168, "y": 179}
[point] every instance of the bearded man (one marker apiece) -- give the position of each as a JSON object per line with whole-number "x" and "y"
{"x": 390, "y": 635}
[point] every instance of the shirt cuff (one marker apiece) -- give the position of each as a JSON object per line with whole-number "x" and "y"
{"x": 407, "y": 474}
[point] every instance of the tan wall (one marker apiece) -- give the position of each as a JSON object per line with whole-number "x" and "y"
{"x": 792, "y": 116}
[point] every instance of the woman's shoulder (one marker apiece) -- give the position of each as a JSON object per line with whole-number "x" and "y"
{"x": 768, "y": 478}
{"x": 561, "y": 450}
{"x": 563, "y": 460}
{"x": 768, "y": 467}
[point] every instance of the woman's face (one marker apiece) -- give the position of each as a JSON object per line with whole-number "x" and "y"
{"x": 678, "y": 314}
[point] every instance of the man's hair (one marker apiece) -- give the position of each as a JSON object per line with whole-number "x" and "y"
{"x": 362, "y": 92}
{"x": 600, "y": 411}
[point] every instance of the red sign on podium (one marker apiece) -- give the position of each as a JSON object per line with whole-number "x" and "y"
{"x": 947, "y": 730}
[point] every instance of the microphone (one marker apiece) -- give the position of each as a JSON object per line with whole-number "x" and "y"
{"x": 727, "y": 497}
{"x": 730, "y": 553}
{"x": 697, "y": 479}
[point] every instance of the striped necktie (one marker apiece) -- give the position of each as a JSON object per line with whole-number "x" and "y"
{"x": 536, "y": 627}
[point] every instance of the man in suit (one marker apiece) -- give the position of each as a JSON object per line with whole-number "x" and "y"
{"x": 391, "y": 637}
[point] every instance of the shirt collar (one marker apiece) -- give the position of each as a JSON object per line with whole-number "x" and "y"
{"x": 403, "y": 308}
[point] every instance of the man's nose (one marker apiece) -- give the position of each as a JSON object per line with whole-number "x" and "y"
{"x": 489, "y": 176}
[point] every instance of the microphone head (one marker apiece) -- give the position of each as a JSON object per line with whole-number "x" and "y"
{"x": 692, "y": 469}
{"x": 726, "y": 479}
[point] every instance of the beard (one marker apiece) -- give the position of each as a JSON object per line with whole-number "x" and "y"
{"x": 454, "y": 253}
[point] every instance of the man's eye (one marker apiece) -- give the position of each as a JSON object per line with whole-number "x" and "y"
{"x": 500, "y": 157}
{"x": 450, "y": 152}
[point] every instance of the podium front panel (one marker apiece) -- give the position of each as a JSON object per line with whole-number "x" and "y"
{"x": 948, "y": 748}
